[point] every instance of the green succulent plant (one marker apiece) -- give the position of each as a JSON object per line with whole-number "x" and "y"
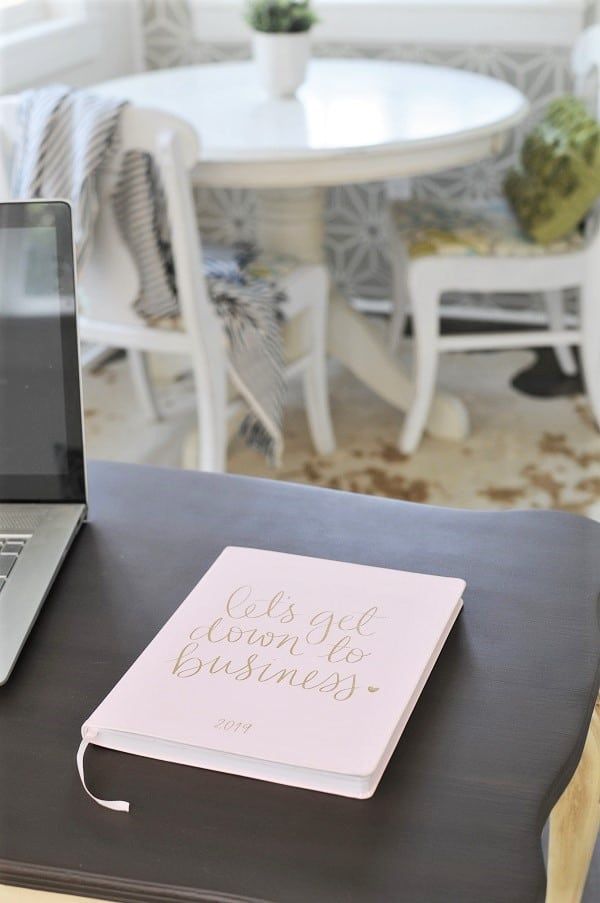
{"x": 559, "y": 177}
{"x": 280, "y": 16}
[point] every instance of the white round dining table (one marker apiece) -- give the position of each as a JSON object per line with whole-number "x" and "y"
{"x": 352, "y": 121}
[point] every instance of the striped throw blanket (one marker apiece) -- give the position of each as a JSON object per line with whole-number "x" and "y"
{"x": 69, "y": 142}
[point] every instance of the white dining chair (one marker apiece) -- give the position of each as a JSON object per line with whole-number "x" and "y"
{"x": 109, "y": 284}
{"x": 480, "y": 248}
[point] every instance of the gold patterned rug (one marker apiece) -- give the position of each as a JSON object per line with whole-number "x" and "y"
{"x": 523, "y": 452}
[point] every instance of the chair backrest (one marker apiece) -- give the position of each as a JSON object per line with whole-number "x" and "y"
{"x": 109, "y": 282}
{"x": 585, "y": 66}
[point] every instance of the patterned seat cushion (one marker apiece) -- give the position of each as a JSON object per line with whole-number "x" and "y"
{"x": 465, "y": 230}
{"x": 271, "y": 266}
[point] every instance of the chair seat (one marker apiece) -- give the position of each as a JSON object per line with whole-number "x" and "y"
{"x": 483, "y": 229}
{"x": 118, "y": 323}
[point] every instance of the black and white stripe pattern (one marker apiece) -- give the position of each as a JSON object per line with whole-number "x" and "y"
{"x": 69, "y": 140}
{"x": 252, "y": 311}
{"x": 136, "y": 202}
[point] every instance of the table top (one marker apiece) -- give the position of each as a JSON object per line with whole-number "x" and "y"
{"x": 379, "y": 116}
{"x": 492, "y": 742}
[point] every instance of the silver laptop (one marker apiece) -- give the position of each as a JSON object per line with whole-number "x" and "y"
{"x": 42, "y": 469}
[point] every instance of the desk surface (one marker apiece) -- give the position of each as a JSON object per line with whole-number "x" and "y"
{"x": 493, "y": 741}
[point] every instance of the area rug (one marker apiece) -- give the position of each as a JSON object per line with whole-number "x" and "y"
{"x": 523, "y": 451}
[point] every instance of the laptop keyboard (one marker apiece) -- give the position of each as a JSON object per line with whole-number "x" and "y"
{"x": 10, "y": 549}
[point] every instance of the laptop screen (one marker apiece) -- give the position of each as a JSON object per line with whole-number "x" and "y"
{"x": 41, "y": 444}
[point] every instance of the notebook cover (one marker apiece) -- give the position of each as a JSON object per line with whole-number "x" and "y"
{"x": 302, "y": 661}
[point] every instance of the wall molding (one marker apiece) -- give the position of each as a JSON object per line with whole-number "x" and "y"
{"x": 523, "y": 23}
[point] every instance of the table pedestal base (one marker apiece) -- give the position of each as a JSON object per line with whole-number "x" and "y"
{"x": 292, "y": 221}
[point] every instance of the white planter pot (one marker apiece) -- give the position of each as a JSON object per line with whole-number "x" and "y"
{"x": 281, "y": 60}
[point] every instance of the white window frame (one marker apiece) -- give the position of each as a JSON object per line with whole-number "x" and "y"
{"x": 531, "y": 23}
{"x": 65, "y": 36}
{"x": 20, "y": 13}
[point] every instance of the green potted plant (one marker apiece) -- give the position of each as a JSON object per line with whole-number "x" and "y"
{"x": 281, "y": 42}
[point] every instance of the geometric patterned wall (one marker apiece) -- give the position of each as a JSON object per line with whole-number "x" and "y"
{"x": 356, "y": 240}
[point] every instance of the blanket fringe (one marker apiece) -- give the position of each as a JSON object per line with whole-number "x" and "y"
{"x": 257, "y": 436}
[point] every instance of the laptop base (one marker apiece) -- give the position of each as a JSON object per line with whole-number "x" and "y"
{"x": 37, "y": 537}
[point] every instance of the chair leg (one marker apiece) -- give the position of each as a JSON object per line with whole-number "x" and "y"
{"x": 142, "y": 381}
{"x": 564, "y": 354}
{"x": 590, "y": 347}
{"x": 211, "y": 407}
{"x": 400, "y": 294}
{"x": 425, "y": 312}
{"x": 316, "y": 391}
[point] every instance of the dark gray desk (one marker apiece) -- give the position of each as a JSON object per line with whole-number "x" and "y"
{"x": 492, "y": 743}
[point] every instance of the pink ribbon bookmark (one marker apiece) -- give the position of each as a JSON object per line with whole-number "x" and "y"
{"x": 116, "y": 805}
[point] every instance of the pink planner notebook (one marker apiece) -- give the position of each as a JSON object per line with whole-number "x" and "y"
{"x": 301, "y": 671}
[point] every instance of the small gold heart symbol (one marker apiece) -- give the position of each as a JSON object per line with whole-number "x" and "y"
{"x": 372, "y": 689}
